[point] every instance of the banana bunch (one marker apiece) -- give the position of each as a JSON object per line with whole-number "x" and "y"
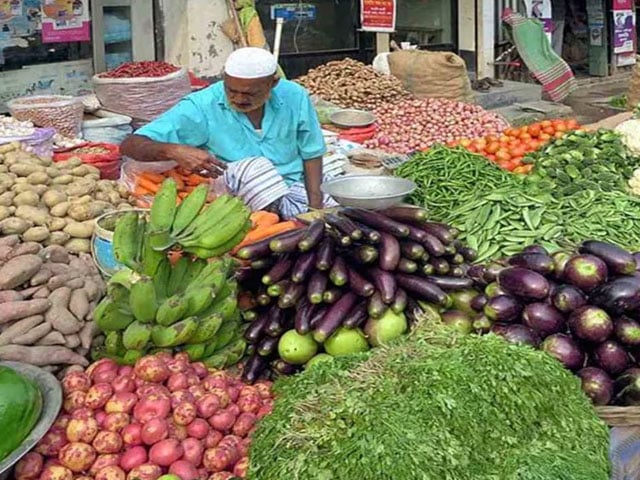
{"x": 190, "y": 306}
{"x": 203, "y": 231}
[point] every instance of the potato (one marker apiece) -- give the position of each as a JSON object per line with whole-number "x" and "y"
{"x": 77, "y": 456}
{"x": 53, "y": 172}
{"x": 60, "y": 210}
{"x": 6, "y": 199}
{"x": 83, "y": 200}
{"x": 56, "y": 238}
{"x": 14, "y": 225}
{"x": 80, "y": 171}
{"x": 80, "y": 188}
{"x": 78, "y": 245}
{"x": 56, "y": 224}
{"x": 80, "y": 229}
{"x": 64, "y": 179}
{"x": 89, "y": 211}
{"x": 4, "y": 212}
{"x": 36, "y": 215}
{"x": 70, "y": 163}
{"x": 51, "y": 198}
{"x": 22, "y": 180}
{"x": 25, "y": 196}
{"x": 38, "y": 178}
{"x": 40, "y": 189}
{"x": 24, "y": 169}
{"x": 36, "y": 234}
{"x": 4, "y": 169}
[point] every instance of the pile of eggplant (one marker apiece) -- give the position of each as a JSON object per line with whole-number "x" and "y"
{"x": 582, "y": 308}
{"x": 342, "y": 270}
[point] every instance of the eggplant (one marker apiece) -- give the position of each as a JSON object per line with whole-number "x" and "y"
{"x": 597, "y": 385}
{"x": 469, "y": 254}
{"x": 618, "y": 260}
{"x": 275, "y": 323}
{"x": 636, "y": 257}
{"x": 543, "y": 318}
{"x": 378, "y": 221}
{"x": 302, "y": 320}
{"x": 458, "y": 321}
{"x": 478, "y": 302}
{"x": 331, "y": 295}
{"x": 427, "y": 269}
{"x": 366, "y": 254}
{"x": 407, "y": 266}
{"x": 263, "y": 299}
{"x": 283, "y": 368}
{"x": 334, "y": 317}
{"x": 433, "y": 245}
{"x": 255, "y": 366}
{"x": 244, "y": 274}
{"x": 249, "y": 315}
{"x": 538, "y": 249}
{"x": 267, "y": 346}
{"x": 288, "y": 244}
{"x": 458, "y": 271}
{"x": 627, "y": 331}
{"x": 303, "y": 267}
{"x": 524, "y": 283}
{"x": 277, "y": 289}
{"x": 423, "y": 289}
{"x": 491, "y": 272}
{"x": 438, "y": 230}
{"x": 400, "y": 301}
{"x": 611, "y": 357}
{"x": 618, "y": 296}
{"x": 278, "y": 272}
{"x": 591, "y": 324}
{"x": 261, "y": 248}
{"x": 457, "y": 259}
{"x": 567, "y": 298}
{"x": 291, "y": 296}
{"x": 476, "y": 273}
{"x": 357, "y": 316}
{"x": 538, "y": 262}
{"x": 627, "y": 387}
{"x": 481, "y": 324}
{"x": 412, "y": 250}
{"x": 376, "y": 307}
{"x": 389, "y": 252}
{"x": 493, "y": 290}
{"x": 312, "y": 236}
{"x": 254, "y": 331}
{"x": 503, "y": 308}
{"x": 451, "y": 283}
{"x": 462, "y": 299}
{"x": 344, "y": 226}
{"x": 386, "y": 284}
{"x": 318, "y": 314}
{"x": 585, "y": 272}
{"x": 262, "y": 264}
{"x": 440, "y": 265}
{"x": 370, "y": 235}
{"x": 316, "y": 287}
{"x": 564, "y": 349}
{"x": 560, "y": 260}
{"x": 339, "y": 274}
{"x": 343, "y": 240}
{"x": 516, "y": 334}
{"x": 359, "y": 284}
{"x": 406, "y": 214}
{"x": 325, "y": 254}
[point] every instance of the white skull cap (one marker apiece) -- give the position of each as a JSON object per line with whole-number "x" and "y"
{"x": 251, "y": 62}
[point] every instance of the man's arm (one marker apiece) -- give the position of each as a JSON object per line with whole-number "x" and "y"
{"x": 143, "y": 149}
{"x": 312, "y": 181}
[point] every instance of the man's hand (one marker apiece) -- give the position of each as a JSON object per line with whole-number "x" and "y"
{"x": 196, "y": 160}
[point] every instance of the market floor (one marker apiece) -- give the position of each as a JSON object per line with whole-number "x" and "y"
{"x": 589, "y": 101}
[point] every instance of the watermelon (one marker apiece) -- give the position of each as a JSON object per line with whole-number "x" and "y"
{"x": 20, "y": 409}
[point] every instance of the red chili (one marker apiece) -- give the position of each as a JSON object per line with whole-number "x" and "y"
{"x": 141, "y": 69}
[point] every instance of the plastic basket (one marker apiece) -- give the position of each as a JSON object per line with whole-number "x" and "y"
{"x": 107, "y": 127}
{"x": 61, "y": 112}
{"x": 40, "y": 142}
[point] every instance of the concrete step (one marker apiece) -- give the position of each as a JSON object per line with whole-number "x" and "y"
{"x": 529, "y": 112}
{"x": 510, "y": 93}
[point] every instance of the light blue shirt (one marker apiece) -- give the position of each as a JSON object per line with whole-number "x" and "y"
{"x": 290, "y": 135}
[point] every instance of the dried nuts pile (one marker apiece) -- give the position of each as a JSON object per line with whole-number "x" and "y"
{"x": 57, "y": 111}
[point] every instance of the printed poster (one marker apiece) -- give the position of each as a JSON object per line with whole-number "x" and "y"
{"x": 624, "y": 31}
{"x": 541, "y": 9}
{"x": 10, "y": 9}
{"x": 65, "y": 21}
{"x": 378, "y": 15}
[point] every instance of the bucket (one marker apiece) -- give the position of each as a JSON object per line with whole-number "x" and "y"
{"x": 102, "y": 242}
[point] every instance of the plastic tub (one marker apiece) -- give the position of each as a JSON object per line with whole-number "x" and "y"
{"x": 107, "y": 127}
{"x": 61, "y": 112}
{"x": 39, "y": 143}
{"x": 102, "y": 242}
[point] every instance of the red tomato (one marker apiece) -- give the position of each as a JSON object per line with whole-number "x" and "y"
{"x": 549, "y": 130}
{"x": 546, "y": 123}
{"x": 534, "y": 130}
{"x": 572, "y": 124}
{"x": 493, "y": 147}
{"x": 503, "y": 156}
{"x": 559, "y": 134}
{"x": 491, "y": 138}
{"x": 491, "y": 157}
{"x": 472, "y": 148}
{"x": 465, "y": 142}
{"x": 545, "y": 137}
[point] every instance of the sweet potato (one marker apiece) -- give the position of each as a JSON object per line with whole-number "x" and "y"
{"x": 21, "y": 309}
{"x": 42, "y": 292}
{"x": 91, "y": 289}
{"x": 60, "y": 297}
{"x": 10, "y": 296}
{"x": 41, "y": 277}
{"x": 88, "y": 332}
{"x": 41, "y": 355}
{"x": 9, "y": 241}
{"x": 5, "y": 252}
{"x": 52, "y": 338}
{"x": 20, "y": 328}
{"x": 25, "y": 248}
{"x": 19, "y": 270}
{"x": 58, "y": 268}
{"x": 54, "y": 254}
{"x": 72, "y": 341}
{"x": 79, "y": 303}
{"x": 75, "y": 283}
{"x": 33, "y": 335}
{"x": 61, "y": 280}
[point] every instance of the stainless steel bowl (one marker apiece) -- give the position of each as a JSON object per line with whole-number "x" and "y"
{"x": 51, "y": 403}
{"x": 352, "y": 118}
{"x": 374, "y": 192}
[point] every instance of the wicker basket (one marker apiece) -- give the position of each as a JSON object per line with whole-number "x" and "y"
{"x": 620, "y": 416}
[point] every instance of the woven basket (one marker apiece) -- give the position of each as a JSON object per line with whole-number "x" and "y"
{"x": 620, "y": 416}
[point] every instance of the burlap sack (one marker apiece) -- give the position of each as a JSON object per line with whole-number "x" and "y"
{"x": 633, "y": 96}
{"x": 432, "y": 74}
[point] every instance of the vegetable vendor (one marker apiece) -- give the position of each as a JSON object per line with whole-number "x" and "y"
{"x": 259, "y": 132}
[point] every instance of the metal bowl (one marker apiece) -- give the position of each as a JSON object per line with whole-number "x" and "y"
{"x": 374, "y": 192}
{"x": 51, "y": 403}
{"x": 352, "y": 118}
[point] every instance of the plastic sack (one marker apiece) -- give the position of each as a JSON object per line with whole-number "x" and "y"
{"x": 64, "y": 113}
{"x": 143, "y": 98}
{"x": 381, "y": 63}
{"x": 104, "y": 156}
{"x": 107, "y": 128}
{"x": 39, "y": 143}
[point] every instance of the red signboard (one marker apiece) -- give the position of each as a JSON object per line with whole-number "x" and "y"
{"x": 378, "y": 15}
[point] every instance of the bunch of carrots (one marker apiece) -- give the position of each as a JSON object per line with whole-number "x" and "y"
{"x": 265, "y": 225}
{"x": 147, "y": 184}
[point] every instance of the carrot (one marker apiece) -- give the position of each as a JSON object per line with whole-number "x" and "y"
{"x": 194, "y": 180}
{"x": 152, "y": 177}
{"x": 262, "y": 219}
{"x": 141, "y": 191}
{"x": 182, "y": 195}
{"x": 266, "y": 232}
{"x": 148, "y": 185}
{"x": 176, "y": 176}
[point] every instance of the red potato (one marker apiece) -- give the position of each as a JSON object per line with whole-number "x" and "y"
{"x": 208, "y": 405}
{"x": 121, "y": 402}
{"x": 114, "y": 422}
{"x": 233, "y": 409}
{"x": 223, "y": 396}
{"x": 184, "y": 470}
{"x": 73, "y": 401}
{"x": 200, "y": 369}
{"x": 193, "y": 451}
{"x": 154, "y": 430}
{"x": 107, "y": 442}
{"x": 104, "y": 460}
{"x": 102, "y": 365}
{"x": 152, "y": 406}
{"x": 82, "y": 430}
{"x": 153, "y": 389}
{"x": 263, "y": 387}
{"x": 51, "y": 444}
{"x": 213, "y": 439}
{"x": 77, "y": 456}
{"x": 211, "y": 382}
{"x": 221, "y": 476}
{"x": 139, "y": 382}
{"x": 82, "y": 413}
{"x": 125, "y": 370}
{"x": 218, "y": 459}
{"x": 222, "y": 421}
{"x": 177, "y": 366}
{"x": 248, "y": 390}
{"x": 56, "y": 472}
{"x": 98, "y": 395}
{"x": 199, "y": 429}
{"x": 151, "y": 369}
{"x": 124, "y": 383}
{"x": 184, "y": 413}
{"x": 51, "y": 461}
{"x": 166, "y": 356}
{"x": 165, "y": 452}
{"x": 133, "y": 458}
{"x": 243, "y": 448}
{"x": 197, "y": 391}
{"x": 177, "y": 381}
{"x": 100, "y": 415}
{"x": 132, "y": 434}
{"x": 231, "y": 441}
{"x": 112, "y": 472}
{"x": 244, "y": 424}
{"x": 179, "y": 432}
{"x": 62, "y": 421}
{"x": 146, "y": 471}
{"x": 241, "y": 468}
{"x": 104, "y": 376}
{"x": 83, "y": 477}
{"x": 76, "y": 381}
{"x": 234, "y": 393}
{"x": 250, "y": 403}
{"x": 29, "y": 467}
{"x": 180, "y": 396}
{"x": 192, "y": 379}
{"x": 182, "y": 357}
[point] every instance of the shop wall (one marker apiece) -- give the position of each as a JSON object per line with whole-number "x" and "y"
{"x": 435, "y": 15}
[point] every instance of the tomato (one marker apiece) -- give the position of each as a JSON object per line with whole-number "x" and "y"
{"x": 546, "y": 123}
{"x": 491, "y": 138}
{"x": 533, "y": 145}
{"x": 545, "y": 137}
{"x": 503, "y": 164}
{"x": 559, "y": 134}
{"x": 519, "y": 151}
{"x": 472, "y": 148}
{"x": 549, "y": 130}
{"x": 525, "y": 137}
{"x": 561, "y": 127}
{"x": 534, "y": 130}
{"x": 491, "y": 157}
{"x": 465, "y": 142}
{"x": 493, "y": 147}
{"x": 572, "y": 124}
{"x": 503, "y": 155}
{"x": 510, "y": 132}
{"x": 519, "y": 170}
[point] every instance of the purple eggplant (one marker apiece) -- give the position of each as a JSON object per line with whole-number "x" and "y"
{"x": 254, "y": 367}
{"x": 366, "y": 254}
{"x": 389, "y": 252}
{"x": 481, "y": 324}
{"x": 386, "y": 284}
{"x": 611, "y": 357}
{"x": 316, "y": 287}
{"x": 344, "y": 226}
{"x": 427, "y": 269}
{"x": 325, "y": 254}
{"x": 339, "y": 274}
{"x": 462, "y": 299}
{"x": 567, "y": 298}
{"x": 278, "y": 272}
{"x": 440, "y": 265}
{"x": 400, "y": 301}
{"x": 378, "y": 221}
{"x": 412, "y": 250}
{"x": 291, "y": 295}
{"x": 334, "y": 317}
{"x": 468, "y": 253}
{"x": 458, "y": 321}
{"x": 283, "y": 368}
{"x": 303, "y": 267}
{"x": 318, "y": 314}
{"x": 451, "y": 283}
{"x": 478, "y": 302}
{"x": 627, "y": 331}
{"x": 261, "y": 248}
{"x": 255, "y": 330}
{"x": 433, "y": 245}
{"x": 517, "y": 334}
{"x": 406, "y": 214}
{"x": 503, "y": 308}
{"x": 423, "y": 289}
{"x": 538, "y": 262}
{"x": 618, "y": 260}
{"x": 476, "y": 273}
{"x": 267, "y": 346}
{"x": 287, "y": 244}
{"x": 262, "y": 264}
{"x": 312, "y": 236}
{"x": 627, "y": 388}
{"x": 537, "y": 249}
{"x": 543, "y": 318}
{"x": 618, "y": 296}
{"x": 278, "y": 289}
{"x": 636, "y": 257}
{"x": 456, "y": 259}
{"x": 302, "y": 320}
{"x": 263, "y": 299}
{"x": 564, "y": 349}
{"x": 438, "y": 230}
{"x": 331, "y": 295}
{"x": 597, "y": 385}
{"x": 585, "y": 272}
{"x": 458, "y": 271}
{"x": 591, "y": 324}
{"x": 407, "y": 266}
{"x": 357, "y": 316}
{"x": 560, "y": 260}
{"x": 370, "y": 235}
{"x": 493, "y": 290}
{"x": 524, "y": 283}
{"x": 376, "y": 307}
{"x": 491, "y": 272}
{"x": 275, "y": 324}
{"x": 359, "y": 285}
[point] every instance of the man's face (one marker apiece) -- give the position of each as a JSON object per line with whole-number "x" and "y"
{"x": 246, "y": 95}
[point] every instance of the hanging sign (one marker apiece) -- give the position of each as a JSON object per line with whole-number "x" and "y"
{"x": 541, "y": 10}
{"x": 65, "y": 21}
{"x": 378, "y": 15}
{"x": 624, "y": 31}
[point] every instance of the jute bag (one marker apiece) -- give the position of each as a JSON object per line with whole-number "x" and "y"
{"x": 432, "y": 74}
{"x": 633, "y": 96}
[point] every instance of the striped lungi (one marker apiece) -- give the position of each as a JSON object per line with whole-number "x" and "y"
{"x": 257, "y": 182}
